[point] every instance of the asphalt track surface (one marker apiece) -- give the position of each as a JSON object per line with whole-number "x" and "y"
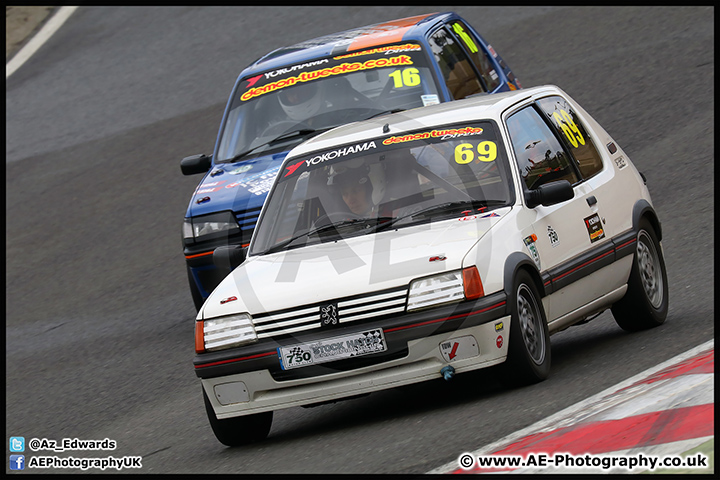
{"x": 99, "y": 329}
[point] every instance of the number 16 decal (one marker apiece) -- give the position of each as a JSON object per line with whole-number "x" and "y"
{"x": 407, "y": 77}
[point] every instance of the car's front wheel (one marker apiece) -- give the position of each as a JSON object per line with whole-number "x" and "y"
{"x": 237, "y": 431}
{"x": 645, "y": 304}
{"x": 529, "y": 349}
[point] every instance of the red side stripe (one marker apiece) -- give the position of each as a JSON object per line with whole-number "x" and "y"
{"x": 626, "y": 243}
{"x": 591, "y": 261}
{"x": 199, "y": 255}
{"x": 584, "y": 264}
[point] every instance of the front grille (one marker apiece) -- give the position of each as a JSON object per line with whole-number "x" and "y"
{"x": 351, "y": 309}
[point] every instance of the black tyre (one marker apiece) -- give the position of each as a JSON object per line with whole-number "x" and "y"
{"x": 529, "y": 349}
{"x": 237, "y": 431}
{"x": 645, "y": 304}
{"x": 198, "y": 300}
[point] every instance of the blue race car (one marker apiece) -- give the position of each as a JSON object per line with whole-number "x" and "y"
{"x": 297, "y": 92}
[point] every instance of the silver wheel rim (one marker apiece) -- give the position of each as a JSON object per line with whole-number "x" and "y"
{"x": 648, "y": 263}
{"x": 530, "y": 326}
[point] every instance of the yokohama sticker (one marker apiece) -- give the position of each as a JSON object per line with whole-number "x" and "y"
{"x": 331, "y": 155}
{"x": 286, "y": 70}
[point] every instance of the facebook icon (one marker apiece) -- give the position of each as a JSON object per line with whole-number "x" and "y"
{"x": 17, "y": 462}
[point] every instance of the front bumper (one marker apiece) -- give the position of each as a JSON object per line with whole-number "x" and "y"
{"x": 250, "y": 380}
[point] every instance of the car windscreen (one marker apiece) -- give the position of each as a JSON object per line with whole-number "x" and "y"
{"x": 284, "y": 106}
{"x": 393, "y": 181}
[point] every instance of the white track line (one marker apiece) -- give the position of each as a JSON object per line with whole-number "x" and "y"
{"x": 577, "y": 408}
{"x": 50, "y": 27}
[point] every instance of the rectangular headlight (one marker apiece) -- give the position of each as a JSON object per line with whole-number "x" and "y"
{"x": 225, "y": 332}
{"x": 436, "y": 290}
{"x": 209, "y": 226}
{"x": 188, "y": 230}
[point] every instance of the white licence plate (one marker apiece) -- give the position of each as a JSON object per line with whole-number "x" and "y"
{"x": 330, "y": 349}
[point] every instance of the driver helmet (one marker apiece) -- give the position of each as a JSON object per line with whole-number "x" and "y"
{"x": 301, "y": 102}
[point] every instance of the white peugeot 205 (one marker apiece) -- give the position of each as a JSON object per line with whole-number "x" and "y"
{"x": 423, "y": 244}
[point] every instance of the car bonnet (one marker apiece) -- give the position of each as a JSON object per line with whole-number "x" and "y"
{"x": 353, "y": 266}
{"x": 236, "y": 186}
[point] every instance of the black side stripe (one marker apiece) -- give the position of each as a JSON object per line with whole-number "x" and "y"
{"x": 625, "y": 244}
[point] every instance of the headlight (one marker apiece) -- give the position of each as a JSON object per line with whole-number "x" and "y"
{"x": 224, "y": 332}
{"x": 445, "y": 288}
{"x": 208, "y": 226}
{"x": 435, "y": 290}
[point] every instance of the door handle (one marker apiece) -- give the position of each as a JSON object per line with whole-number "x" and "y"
{"x": 591, "y": 200}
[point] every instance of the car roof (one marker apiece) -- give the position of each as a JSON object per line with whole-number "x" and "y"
{"x": 403, "y": 29}
{"x": 466, "y": 110}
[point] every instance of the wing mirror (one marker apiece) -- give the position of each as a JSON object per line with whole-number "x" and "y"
{"x": 227, "y": 257}
{"x": 196, "y": 164}
{"x": 549, "y": 194}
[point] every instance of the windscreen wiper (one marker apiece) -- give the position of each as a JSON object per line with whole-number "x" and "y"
{"x": 443, "y": 208}
{"x": 341, "y": 223}
{"x": 386, "y": 112}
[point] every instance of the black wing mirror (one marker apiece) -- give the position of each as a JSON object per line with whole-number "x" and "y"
{"x": 196, "y": 164}
{"x": 549, "y": 194}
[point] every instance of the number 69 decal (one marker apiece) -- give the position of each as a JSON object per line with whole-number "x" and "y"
{"x": 465, "y": 153}
{"x": 408, "y": 77}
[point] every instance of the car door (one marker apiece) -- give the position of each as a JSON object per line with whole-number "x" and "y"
{"x": 559, "y": 233}
{"x": 581, "y": 146}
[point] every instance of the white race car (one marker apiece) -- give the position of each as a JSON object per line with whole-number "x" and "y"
{"x": 423, "y": 244}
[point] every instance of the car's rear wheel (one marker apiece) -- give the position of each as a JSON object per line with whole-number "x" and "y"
{"x": 529, "y": 349}
{"x": 645, "y": 304}
{"x": 237, "y": 431}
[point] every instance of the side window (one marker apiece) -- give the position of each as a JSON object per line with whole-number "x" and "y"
{"x": 455, "y": 66}
{"x": 540, "y": 157}
{"x": 573, "y": 134}
{"x": 477, "y": 55}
